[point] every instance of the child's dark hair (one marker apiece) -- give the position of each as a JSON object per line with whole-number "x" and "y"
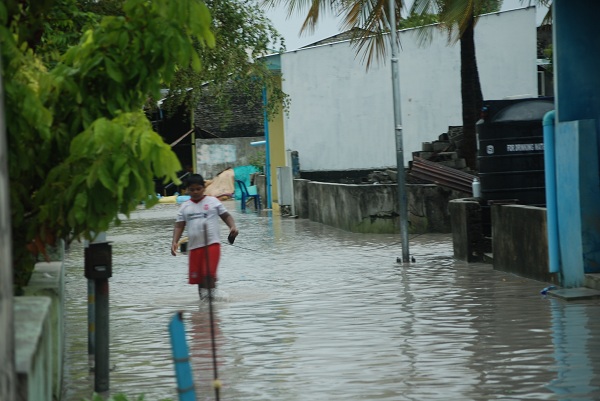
{"x": 193, "y": 179}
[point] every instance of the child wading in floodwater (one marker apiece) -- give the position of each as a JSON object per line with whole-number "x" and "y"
{"x": 200, "y": 214}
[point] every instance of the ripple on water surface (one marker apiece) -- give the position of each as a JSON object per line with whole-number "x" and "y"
{"x": 309, "y": 312}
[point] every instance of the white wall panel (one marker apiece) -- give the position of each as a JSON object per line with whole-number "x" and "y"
{"x": 341, "y": 116}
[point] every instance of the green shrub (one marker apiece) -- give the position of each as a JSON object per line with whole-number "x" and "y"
{"x": 258, "y": 160}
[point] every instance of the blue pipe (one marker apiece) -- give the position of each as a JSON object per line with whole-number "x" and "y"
{"x": 267, "y": 148}
{"x": 551, "y": 206}
{"x": 181, "y": 359}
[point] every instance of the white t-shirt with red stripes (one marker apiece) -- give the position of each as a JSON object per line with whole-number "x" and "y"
{"x": 202, "y": 221}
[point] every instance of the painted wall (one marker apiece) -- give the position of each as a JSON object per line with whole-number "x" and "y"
{"x": 576, "y": 31}
{"x": 216, "y": 155}
{"x": 341, "y": 116}
{"x": 277, "y": 148}
{"x": 520, "y": 243}
{"x": 373, "y": 208}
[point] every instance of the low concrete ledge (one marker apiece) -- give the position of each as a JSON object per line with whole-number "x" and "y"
{"x": 575, "y": 294}
{"x": 354, "y": 208}
{"x": 47, "y": 280}
{"x": 467, "y": 234}
{"x": 373, "y": 208}
{"x": 33, "y": 348}
{"x": 520, "y": 241}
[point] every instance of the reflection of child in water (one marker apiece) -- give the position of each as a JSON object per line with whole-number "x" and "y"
{"x": 201, "y": 351}
{"x": 200, "y": 215}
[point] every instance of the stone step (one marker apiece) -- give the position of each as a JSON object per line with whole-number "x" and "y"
{"x": 447, "y": 156}
{"x": 440, "y": 146}
{"x": 592, "y": 280}
{"x": 575, "y": 294}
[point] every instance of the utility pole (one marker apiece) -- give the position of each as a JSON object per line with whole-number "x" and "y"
{"x": 8, "y": 383}
{"x": 98, "y": 268}
{"x": 402, "y": 198}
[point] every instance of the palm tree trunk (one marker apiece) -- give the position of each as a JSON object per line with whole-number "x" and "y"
{"x": 472, "y": 98}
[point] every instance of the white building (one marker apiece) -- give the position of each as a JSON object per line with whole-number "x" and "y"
{"x": 341, "y": 115}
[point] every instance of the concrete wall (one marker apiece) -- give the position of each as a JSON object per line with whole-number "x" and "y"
{"x": 277, "y": 151}
{"x": 519, "y": 241}
{"x": 216, "y": 155}
{"x": 47, "y": 280}
{"x": 468, "y": 239}
{"x": 33, "y": 348}
{"x": 373, "y": 208}
{"x": 39, "y": 333}
{"x": 341, "y": 116}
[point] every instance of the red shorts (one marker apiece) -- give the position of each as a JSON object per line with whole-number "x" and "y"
{"x": 200, "y": 258}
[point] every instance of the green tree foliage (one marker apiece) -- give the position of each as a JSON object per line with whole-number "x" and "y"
{"x": 243, "y": 36}
{"x": 80, "y": 149}
{"x": 459, "y": 17}
{"x": 369, "y": 17}
{"x": 548, "y": 53}
{"x": 414, "y": 20}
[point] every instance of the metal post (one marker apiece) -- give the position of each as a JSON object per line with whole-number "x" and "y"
{"x": 101, "y": 237}
{"x": 290, "y": 174}
{"x": 193, "y": 144}
{"x": 91, "y": 319}
{"x": 402, "y": 198}
{"x": 181, "y": 359}
{"x": 8, "y": 382}
{"x": 98, "y": 269}
{"x": 267, "y": 149}
{"x": 101, "y": 357}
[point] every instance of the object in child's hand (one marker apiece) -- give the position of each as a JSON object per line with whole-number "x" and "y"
{"x": 231, "y": 238}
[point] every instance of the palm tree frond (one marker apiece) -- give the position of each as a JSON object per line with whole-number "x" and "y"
{"x": 314, "y": 7}
{"x": 371, "y": 20}
{"x": 371, "y": 48}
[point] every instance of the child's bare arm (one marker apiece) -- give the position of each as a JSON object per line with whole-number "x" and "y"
{"x": 177, "y": 231}
{"x": 228, "y": 219}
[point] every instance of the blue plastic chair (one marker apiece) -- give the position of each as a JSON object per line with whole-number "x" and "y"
{"x": 243, "y": 173}
{"x": 248, "y": 193}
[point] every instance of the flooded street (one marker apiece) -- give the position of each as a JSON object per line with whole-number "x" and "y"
{"x": 307, "y": 312}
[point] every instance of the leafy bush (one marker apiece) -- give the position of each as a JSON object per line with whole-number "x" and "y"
{"x": 80, "y": 148}
{"x": 258, "y": 160}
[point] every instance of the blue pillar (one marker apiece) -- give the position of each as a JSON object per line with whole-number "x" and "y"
{"x": 550, "y": 179}
{"x": 576, "y": 38}
{"x": 577, "y": 199}
{"x": 573, "y": 364}
{"x": 576, "y": 59}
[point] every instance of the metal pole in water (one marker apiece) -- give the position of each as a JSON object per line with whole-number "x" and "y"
{"x": 402, "y": 198}
{"x": 8, "y": 380}
{"x": 208, "y": 279}
{"x": 101, "y": 357}
{"x": 181, "y": 359}
{"x": 101, "y": 237}
{"x": 91, "y": 318}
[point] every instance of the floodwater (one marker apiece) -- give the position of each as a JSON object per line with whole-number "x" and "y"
{"x": 308, "y": 312}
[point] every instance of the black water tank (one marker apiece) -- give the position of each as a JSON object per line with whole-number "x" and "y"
{"x": 511, "y": 152}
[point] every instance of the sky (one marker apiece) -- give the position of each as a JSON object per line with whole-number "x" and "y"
{"x": 330, "y": 25}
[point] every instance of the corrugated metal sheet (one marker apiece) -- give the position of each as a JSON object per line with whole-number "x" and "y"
{"x": 441, "y": 175}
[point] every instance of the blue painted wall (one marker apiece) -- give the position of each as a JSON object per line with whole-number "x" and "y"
{"x": 577, "y": 85}
{"x": 576, "y": 59}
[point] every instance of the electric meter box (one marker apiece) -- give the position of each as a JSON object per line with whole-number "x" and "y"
{"x": 98, "y": 261}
